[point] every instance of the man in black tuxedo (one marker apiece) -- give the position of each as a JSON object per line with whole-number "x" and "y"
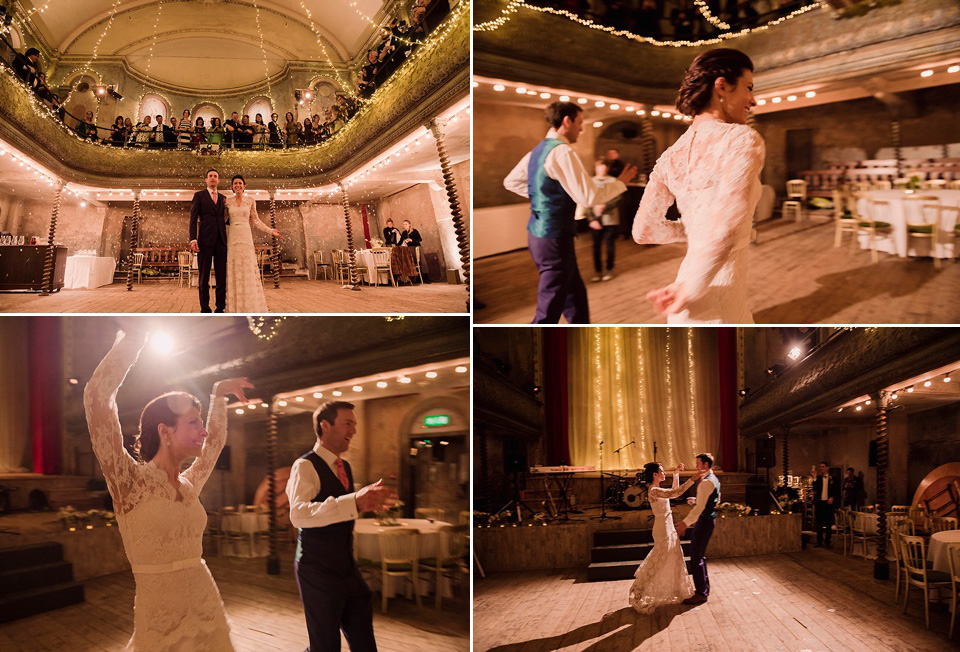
{"x": 323, "y": 506}
{"x": 26, "y": 66}
{"x": 826, "y": 497}
{"x": 701, "y": 519}
{"x": 208, "y": 238}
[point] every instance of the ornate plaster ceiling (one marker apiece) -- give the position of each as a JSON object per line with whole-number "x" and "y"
{"x": 209, "y": 44}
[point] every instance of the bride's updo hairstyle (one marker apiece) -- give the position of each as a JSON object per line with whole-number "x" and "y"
{"x": 238, "y": 176}
{"x": 697, "y": 87}
{"x": 165, "y": 409}
{"x": 649, "y": 470}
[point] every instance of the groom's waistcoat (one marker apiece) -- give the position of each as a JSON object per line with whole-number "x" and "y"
{"x": 331, "y": 546}
{"x": 552, "y": 210}
{"x": 710, "y": 507}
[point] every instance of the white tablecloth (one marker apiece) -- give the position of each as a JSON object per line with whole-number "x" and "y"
{"x": 366, "y": 265}
{"x": 88, "y": 271}
{"x": 937, "y": 554}
{"x": 247, "y": 524}
{"x": 896, "y": 213}
{"x": 367, "y": 531}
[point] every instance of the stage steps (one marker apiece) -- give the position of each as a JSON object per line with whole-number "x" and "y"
{"x": 35, "y": 579}
{"x": 616, "y": 554}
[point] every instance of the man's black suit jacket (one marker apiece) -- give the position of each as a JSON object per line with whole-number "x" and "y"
{"x": 833, "y": 491}
{"x": 207, "y": 221}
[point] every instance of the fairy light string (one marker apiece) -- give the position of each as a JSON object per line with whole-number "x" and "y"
{"x": 643, "y": 397}
{"x": 266, "y": 70}
{"x": 692, "y": 386}
{"x": 597, "y": 405}
{"x": 153, "y": 42}
{"x": 708, "y": 15}
{"x": 96, "y": 50}
{"x": 343, "y": 84}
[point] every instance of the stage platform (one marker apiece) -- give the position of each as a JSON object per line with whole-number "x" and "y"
{"x": 58, "y": 491}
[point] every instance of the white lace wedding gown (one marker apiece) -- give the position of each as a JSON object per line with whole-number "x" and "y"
{"x": 244, "y": 287}
{"x": 177, "y": 605}
{"x": 713, "y": 172}
{"x": 662, "y": 577}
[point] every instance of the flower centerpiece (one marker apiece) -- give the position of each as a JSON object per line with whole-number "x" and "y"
{"x": 376, "y": 242}
{"x": 733, "y": 509}
{"x": 390, "y": 516}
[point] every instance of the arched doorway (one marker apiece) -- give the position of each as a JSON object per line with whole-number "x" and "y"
{"x": 436, "y": 469}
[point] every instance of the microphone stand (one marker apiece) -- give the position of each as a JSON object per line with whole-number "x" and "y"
{"x": 603, "y": 496}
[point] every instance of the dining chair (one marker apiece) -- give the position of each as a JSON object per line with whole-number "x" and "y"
{"x": 900, "y": 509}
{"x": 933, "y": 184}
{"x": 184, "y": 266}
{"x": 923, "y": 221}
{"x": 842, "y": 518}
{"x": 953, "y": 558}
{"x": 138, "y": 265}
{"x": 399, "y": 554}
{"x": 845, "y": 220}
{"x": 859, "y": 534}
{"x": 918, "y": 574}
{"x": 416, "y": 262}
{"x": 942, "y": 523}
{"x": 319, "y": 264}
{"x": 896, "y": 531}
{"x": 901, "y": 182}
{"x": 796, "y": 200}
{"x": 381, "y": 261}
{"x": 872, "y": 226}
{"x": 432, "y": 513}
{"x": 881, "y": 184}
{"x": 450, "y": 560}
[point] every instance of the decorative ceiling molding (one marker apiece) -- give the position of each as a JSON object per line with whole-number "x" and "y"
{"x": 224, "y": 34}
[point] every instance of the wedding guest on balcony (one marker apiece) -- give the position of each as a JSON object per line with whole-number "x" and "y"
{"x": 57, "y": 108}
{"x": 215, "y": 134}
{"x": 230, "y": 128}
{"x": 170, "y": 133}
{"x": 40, "y": 88}
{"x": 144, "y": 132}
{"x": 185, "y": 131}
{"x": 199, "y": 133}
{"x": 157, "y": 139}
{"x": 309, "y": 137}
{"x": 26, "y": 66}
{"x": 245, "y": 133}
{"x": 317, "y": 126}
{"x": 292, "y": 130}
{"x": 365, "y": 83}
{"x": 259, "y": 132}
{"x": 347, "y": 106}
{"x": 274, "y": 128}
{"x": 86, "y": 129}
{"x": 337, "y": 120}
{"x": 118, "y": 134}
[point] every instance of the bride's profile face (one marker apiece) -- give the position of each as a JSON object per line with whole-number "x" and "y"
{"x": 186, "y": 439}
{"x": 738, "y": 101}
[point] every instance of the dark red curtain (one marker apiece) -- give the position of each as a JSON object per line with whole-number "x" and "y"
{"x": 727, "y": 351}
{"x": 366, "y": 224}
{"x": 46, "y": 393}
{"x": 555, "y": 395}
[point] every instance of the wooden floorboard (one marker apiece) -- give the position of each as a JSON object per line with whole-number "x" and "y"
{"x": 796, "y": 276}
{"x": 295, "y": 295}
{"x": 264, "y": 610}
{"x": 815, "y": 600}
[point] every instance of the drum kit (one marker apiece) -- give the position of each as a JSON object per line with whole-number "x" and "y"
{"x": 622, "y": 493}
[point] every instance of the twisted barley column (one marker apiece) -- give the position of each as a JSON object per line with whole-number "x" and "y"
{"x": 47, "y": 282}
{"x": 648, "y": 146}
{"x": 881, "y": 567}
{"x": 134, "y": 237}
{"x": 463, "y": 238}
{"x": 273, "y": 560}
{"x": 353, "y": 284}
{"x": 786, "y": 452}
{"x": 273, "y": 238}
{"x": 895, "y": 134}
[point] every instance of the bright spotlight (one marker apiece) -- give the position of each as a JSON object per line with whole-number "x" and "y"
{"x": 162, "y": 342}
{"x": 794, "y": 353}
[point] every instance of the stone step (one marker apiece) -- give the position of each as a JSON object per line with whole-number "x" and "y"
{"x": 34, "y": 601}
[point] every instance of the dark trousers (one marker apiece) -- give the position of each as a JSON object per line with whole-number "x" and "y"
{"x": 333, "y": 602}
{"x": 823, "y": 521}
{"x": 560, "y": 290}
{"x": 607, "y": 234}
{"x": 699, "y": 538}
{"x": 216, "y": 254}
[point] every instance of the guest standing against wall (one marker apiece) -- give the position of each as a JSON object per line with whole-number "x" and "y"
{"x": 826, "y": 496}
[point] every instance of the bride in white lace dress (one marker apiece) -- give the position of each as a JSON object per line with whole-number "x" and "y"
{"x": 177, "y": 605}
{"x": 244, "y": 287}
{"x": 713, "y": 173}
{"x": 662, "y": 577}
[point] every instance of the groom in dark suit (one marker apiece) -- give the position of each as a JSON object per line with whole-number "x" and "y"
{"x": 323, "y": 506}
{"x": 208, "y": 239}
{"x": 702, "y": 518}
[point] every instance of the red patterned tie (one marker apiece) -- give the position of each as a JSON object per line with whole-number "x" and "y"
{"x": 342, "y": 474}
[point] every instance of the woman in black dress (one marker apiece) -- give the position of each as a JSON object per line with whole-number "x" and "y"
{"x": 391, "y": 235}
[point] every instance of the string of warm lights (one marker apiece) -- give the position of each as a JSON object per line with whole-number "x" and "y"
{"x": 597, "y": 406}
{"x": 344, "y": 85}
{"x": 620, "y": 417}
{"x": 96, "y": 52}
{"x": 156, "y": 33}
{"x": 266, "y": 70}
{"x": 666, "y": 366}
{"x": 378, "y": 26}
{"x": 265, "y": 328}
{"x": 514, "y": 5}
{"x": 708, "y": 15}
{"x": 692, "y": 384}
{"x": 898, "y": 393}
{"x": 640, "y": 392}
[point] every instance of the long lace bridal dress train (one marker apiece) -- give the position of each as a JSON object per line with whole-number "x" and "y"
{"x": 244, "y": 287}
{"x": 713, "y": 172}
{"x": 177, "y": 605}
{"x": 662, "y": 577}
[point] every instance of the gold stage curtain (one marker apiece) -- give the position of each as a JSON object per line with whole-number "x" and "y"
{"x": 14, "y": 395}
{"x": 643, "y": 384}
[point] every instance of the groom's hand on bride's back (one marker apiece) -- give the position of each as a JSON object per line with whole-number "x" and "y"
{"x": 375, "y": 497}
{"x": 629, "y": 172}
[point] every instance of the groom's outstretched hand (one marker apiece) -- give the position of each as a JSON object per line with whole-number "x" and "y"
{"x": 375, "y": 497}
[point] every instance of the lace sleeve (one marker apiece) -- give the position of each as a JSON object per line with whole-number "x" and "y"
{"x": 724, "y": 216}
{"x": 674, "y": 491}
{"x": 650, "y": 225}
{"x": 100, "y": 403}
{"x": 201, "y": 468}
{"x": 255, "y": 219}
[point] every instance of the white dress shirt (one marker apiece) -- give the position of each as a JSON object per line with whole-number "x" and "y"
{"x": 562, "y": 164}
{"x": 824, "y": 486}
{"x": 704, "y": 489}
{"x": 304, "y": 485}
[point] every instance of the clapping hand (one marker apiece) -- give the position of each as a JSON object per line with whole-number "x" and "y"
{"x": 233, "y": 386}
{"x": 375, "y": 497}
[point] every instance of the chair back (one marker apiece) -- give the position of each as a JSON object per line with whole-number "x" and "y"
{"x": 797, "y": 188}
{"x": 914, "y": 554}
{"x": 934, "y": 184}
{"x": 184, "y": 258}
{"x": 900, "y": 509}
{"x": 895, "y": 533}
{"x": 453, "y": 541}
{"x": 922, "y": 211}
{"x": 138, "y": 259}
{"x": 318, "y": 257}
{"x": 433, "y": 513}
{"x": 399, "y": 546}
{"x": 953, "y": 558}
{"x": 901, "y": 182}
{"x": 882, "y": 184}
{"x": 918, "y": 515}
{"x": 381, "y": 257}
{"x": 943, "y": 523}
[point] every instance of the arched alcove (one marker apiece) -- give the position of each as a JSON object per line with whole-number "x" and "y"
{"x": 261, "y": 105}
{"x": 207, "y": 110}
{"x": 153, "y": 104}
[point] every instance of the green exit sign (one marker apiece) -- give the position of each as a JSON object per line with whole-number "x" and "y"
{"x": 436, "y": 420}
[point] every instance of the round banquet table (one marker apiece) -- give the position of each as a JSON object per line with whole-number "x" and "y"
{"x": 366, "y": 264}
{"x": 896, "y": 213}
{"x": 367, "y": 531}
{"x": 937, "y": 553}
{"x": 88, "y": 271}
{"x": 247, "y": 524}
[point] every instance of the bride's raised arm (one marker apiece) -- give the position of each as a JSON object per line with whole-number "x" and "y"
{"x": 676, "y": 490}
{"x": 100, "y": 403}
{"x": 200, "y": 470}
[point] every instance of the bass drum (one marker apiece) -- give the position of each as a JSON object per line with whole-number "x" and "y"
{"x": 635, "y": 497}
{"x": 614, "y": 493}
